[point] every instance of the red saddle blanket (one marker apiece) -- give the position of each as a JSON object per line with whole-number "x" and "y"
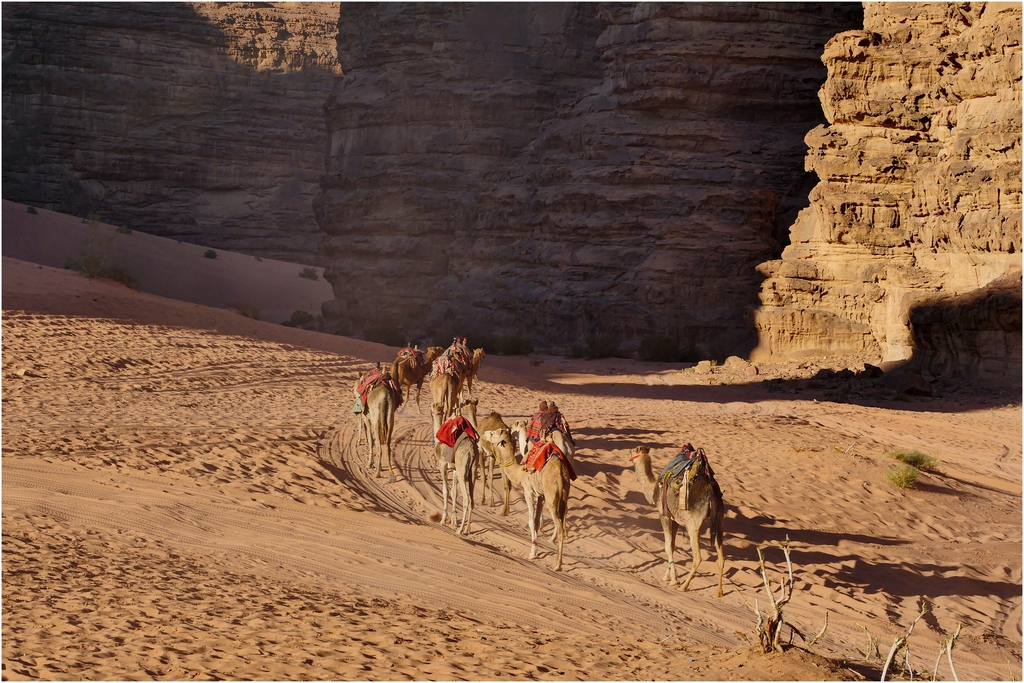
{"x": 372, "y": 379}
{"x": 449, "y": 432}
{"x": 539, "y": 454}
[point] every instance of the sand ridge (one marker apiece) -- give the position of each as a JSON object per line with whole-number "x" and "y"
{"x": 184, "y": 495}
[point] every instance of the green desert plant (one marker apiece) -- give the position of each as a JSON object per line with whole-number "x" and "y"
{"x": 914, "y": 458}
{"x": 124, "y": 230}
{"x": 210, "y": 253}
{"x": 309, "y": 273}
{"x": 904, "y": 477}
{"x": 32, "y": 209}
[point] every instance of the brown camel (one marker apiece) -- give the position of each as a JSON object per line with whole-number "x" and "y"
{"x": 487, "y": 456}
{"x": 703, "y": 501}
{"x": 444, "y": 393}
{"x": 407, "y": 371}
{"x": 470, "y": 375}
{"x": 550, "y": 486}
{"x": 462, "y": 466}
{"x": 379, "y": 418}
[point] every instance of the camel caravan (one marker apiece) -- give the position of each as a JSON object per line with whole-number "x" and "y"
{"x": 533, "y": 456}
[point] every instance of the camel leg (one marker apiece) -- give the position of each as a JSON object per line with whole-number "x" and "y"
{"x": 507, "y": 486}
{"x": 490, "y": 476}
{"x": 531, "y": 520}
{"x": 720, "y": 561}
{"x": 669, "y": 526}
{"x": 419, "y": 389}
{"x": 452, "y": 519}
{"x": 390, "y": 422}
{"x": 694, "y": 531}
{"x": 374, "y": 445}
{"x": 551, "y": 503}
{"x": 443, "y": 466}
{"x": 467, "y": 502}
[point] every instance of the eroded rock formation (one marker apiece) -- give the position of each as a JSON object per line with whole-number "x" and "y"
{"x": 559, "y": 170}
{"x": 919, "y": 205}
{"x": 199, "y": 121}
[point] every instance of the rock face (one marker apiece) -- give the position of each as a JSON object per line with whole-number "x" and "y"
{"x": 197, "y": 121}
{"x": 911, "y": 245}
{"x": 558, "y": 170}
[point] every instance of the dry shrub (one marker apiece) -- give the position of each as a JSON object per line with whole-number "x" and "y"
{"x": 915, "y": 459}
{"x": 904, "y": 477}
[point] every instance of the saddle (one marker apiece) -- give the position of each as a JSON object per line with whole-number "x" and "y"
{"x": 451, "y": 430}
{"x": 682, "y": 469}
{"x": 448, "y": 452}
{"x": 451, "y": 433}
{"x": 542, "y": 424}
{"x": 416, "y": 354}
{"x": 539, "y": 454}
{"x": 370, "y": 380}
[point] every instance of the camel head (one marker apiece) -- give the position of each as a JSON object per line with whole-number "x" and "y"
{"x": 504, "y": 447}
{"x": 639, "y": 452}
{"x": 470, "y": 405}
{"x": 478, "y": 355}
{"x": 518, "y": 428}
{"x": 433, "y": 352}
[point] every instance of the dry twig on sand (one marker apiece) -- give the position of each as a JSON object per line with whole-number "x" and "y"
{"x": 946, "y": 645}
{"x": 901, "y": 642}
{"x": 769, "y": 630}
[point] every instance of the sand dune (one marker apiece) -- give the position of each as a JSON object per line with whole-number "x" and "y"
{"x": 184, "y": 497}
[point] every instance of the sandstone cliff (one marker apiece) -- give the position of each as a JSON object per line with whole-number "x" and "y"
{"x": 919, "y": 205}
{"x": 197, "y": 121}
{"x": 559, "y": 170}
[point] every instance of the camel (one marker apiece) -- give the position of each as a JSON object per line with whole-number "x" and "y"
{"x": 408, "y": 372}
{"x": 444, "y": 393}
{"x": 474, "y": 368}
{"x": 463, "y": 471}
{"x": 487, "y": 456}
{"x": 703, "y": 501}
{"x": 550, "y": 486}
{"x": 379, "y": 423}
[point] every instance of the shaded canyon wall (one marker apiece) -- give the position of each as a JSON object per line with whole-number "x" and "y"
{"x": 911, "y": 244}
{"x": 199, "y": 121}
{"x": 558, "y": 170}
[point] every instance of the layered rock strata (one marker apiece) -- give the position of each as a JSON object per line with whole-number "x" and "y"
{"x": 197, "y": 121}
{"x": 918, "y": 208}
{"x": 557, "y": 170}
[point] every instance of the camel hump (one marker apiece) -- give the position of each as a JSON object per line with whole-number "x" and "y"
{"x": 493, "y": 422}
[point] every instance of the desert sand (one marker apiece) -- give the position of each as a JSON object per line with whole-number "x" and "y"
{"x": 184, "y": 498}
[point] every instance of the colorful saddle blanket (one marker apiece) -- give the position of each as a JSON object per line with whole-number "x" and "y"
{"x": 372, "y": 379}
{"x": 416, "y": 354}
{"x": 539, "y": 454}
{"x": 449, "y": 432}
{"x": 542, "y": 424}
{"x": 454, "y": 361}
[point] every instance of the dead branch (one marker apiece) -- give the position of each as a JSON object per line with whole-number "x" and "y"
{"x": 901, "y": 642}
{"x": 815, "y": 639}
{"x": 946, "y": 645}
{"x": 872, "y": 644}
{"x": 769, "y": 631}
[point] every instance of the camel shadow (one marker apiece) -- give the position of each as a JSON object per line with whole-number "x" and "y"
{"x": 588, "y": 468}
{"x": 905, "y": 579}
{"x": 761, "y": 529}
